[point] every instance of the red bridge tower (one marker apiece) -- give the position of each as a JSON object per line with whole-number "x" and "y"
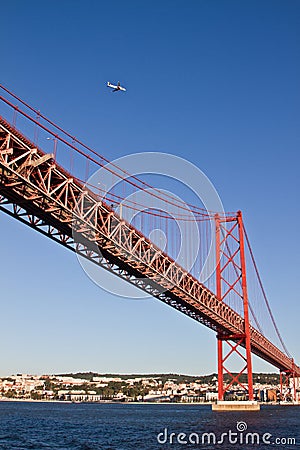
{"x": 230, "y": 234}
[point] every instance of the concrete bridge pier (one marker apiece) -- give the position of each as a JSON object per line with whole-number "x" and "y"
{"x": 236, "y": 406}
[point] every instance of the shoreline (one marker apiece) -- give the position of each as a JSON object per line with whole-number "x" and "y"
{"x": 111, "y": 402}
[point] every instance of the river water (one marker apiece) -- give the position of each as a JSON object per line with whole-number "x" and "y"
{"x": 80, "y": 426}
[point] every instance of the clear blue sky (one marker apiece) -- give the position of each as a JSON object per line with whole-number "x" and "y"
{"x": 216, "y": 82}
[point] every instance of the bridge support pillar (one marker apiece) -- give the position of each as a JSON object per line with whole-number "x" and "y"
{"x": 288, "y": 388}
{"x": 231, "y": 232}
{"x": 235, "y": 344}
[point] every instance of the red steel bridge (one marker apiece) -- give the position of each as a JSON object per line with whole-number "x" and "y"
{"x": 46, "y": 187}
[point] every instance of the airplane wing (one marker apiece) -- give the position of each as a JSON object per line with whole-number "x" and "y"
{"x": 115, "y": 90}
{"x": 119, "y": 83}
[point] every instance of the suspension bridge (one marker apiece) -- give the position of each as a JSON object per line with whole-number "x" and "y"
{"x": 45, "y": 183}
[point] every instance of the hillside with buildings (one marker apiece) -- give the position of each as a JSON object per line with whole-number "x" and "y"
{"x": 94, "y": 387}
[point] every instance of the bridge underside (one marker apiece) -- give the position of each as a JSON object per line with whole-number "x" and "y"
{"x": 39, "y": 193}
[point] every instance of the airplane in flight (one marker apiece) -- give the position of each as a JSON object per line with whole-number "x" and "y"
{"x": 116, "y": 88}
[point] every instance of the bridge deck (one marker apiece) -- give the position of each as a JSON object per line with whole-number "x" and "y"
{"x": 37, "y": 191}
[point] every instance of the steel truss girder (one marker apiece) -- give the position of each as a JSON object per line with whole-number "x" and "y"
{"x": 44, "y": 190}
